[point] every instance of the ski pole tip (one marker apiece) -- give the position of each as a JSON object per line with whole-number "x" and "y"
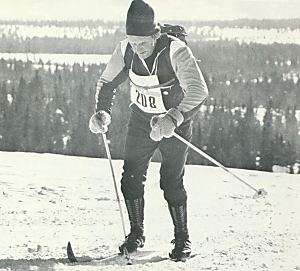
{"x": 260, "y": 193}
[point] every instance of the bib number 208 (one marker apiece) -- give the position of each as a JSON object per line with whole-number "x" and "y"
{"x": 145, "y": 100}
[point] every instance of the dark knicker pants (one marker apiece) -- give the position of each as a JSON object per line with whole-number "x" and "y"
{"x": 139, "y": 148}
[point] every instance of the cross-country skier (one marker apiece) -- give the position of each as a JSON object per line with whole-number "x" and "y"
{"x": 167, "y": 89}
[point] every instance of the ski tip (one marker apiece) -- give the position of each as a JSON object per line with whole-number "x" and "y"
{"x": 70, "y": 254}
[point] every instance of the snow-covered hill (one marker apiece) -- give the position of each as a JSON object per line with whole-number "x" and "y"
{"x": 47, "y": 200}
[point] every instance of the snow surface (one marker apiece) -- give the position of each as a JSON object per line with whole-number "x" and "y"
{"x": 68, "y": 59}
{"x": 47, "y": 200}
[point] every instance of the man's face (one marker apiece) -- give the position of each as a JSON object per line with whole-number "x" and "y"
{"x": 143, "y": 46}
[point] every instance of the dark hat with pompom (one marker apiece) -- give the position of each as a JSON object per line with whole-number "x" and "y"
{"x": 140, "y": 19}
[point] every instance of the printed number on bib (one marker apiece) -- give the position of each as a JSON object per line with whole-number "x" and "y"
{"x": 145, "y": 100}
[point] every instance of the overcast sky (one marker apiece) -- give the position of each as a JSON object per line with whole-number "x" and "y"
{"x": 165, "y": 9}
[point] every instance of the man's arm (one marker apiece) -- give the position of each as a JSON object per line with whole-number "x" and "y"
{"x": 114, "y": 74}
{"x": 190, "y": 78}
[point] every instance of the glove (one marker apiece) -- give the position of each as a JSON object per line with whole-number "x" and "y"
{"x": 99, "y": 122}
{"x": 164, "y": 125}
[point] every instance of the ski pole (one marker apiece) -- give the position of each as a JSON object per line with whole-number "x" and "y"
{"x": 70, "y": 252}
{"x": 114, "y": 180}
{"x": 258, "y": 192}
{"x": 126, "y": 254}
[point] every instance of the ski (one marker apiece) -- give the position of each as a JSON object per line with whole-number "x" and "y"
{"x": 73, "y": 259}
{"x": 70, "y": 254}
{"x": 130, "y": 258}
{"x": 183, "y": 259}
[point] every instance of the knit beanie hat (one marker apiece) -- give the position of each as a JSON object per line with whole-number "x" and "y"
{"x": 140, "y": 19}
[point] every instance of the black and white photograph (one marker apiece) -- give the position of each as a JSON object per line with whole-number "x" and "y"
{"x": 149, "y": 135}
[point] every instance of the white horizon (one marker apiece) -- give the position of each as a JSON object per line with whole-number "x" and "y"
{"x": 115, "y": 10}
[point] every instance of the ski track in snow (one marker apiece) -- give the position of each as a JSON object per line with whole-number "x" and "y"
{"x": 47, "y": 200}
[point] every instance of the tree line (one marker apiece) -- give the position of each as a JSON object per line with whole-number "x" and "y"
{"x": 45, "y": 111}
{"x": 292, "y": 23}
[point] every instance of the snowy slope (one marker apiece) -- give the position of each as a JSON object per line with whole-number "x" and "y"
{"x": 47, "y": 200}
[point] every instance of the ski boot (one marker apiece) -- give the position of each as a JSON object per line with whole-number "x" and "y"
{"x": 135, "y": 239}
{"x": 182, "y": 249}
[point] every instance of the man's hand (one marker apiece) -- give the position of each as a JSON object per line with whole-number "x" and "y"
{"x": 164, "y": 125}
{"x": 99, "y": 122}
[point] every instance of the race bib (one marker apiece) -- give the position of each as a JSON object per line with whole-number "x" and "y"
{"x": 148, "y": 100}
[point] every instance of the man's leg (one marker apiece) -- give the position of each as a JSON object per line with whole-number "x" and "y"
{"x": 174, "y": 154}
{"x": 139, "y": 149}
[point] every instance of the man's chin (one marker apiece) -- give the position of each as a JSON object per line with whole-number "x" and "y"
{"x": 144, "y": 55}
